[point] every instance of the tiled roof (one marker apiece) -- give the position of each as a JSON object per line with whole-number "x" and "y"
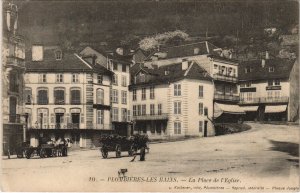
{"x": 70, "y": 62}
{"x": 175, "y": 74}
{"x": 282, "y": 69}
{"x": 186, "y": 50}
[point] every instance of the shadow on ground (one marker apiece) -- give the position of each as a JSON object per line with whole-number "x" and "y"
{"x": 287, "y": 147}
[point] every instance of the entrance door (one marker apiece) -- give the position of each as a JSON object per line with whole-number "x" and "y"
{"x": 58, "y": 120}
{"x": 75, "y": 120}
{"x": 205, "y": 128}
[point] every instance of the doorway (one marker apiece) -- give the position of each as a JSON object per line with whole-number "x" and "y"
{"x": 59, "y": 120}
{"x": 75, "y": 120}
{"x": 205, "y": 128}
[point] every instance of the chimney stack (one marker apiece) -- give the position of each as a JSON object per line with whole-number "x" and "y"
{"x": 267, "y": 55}
{"x": 184, "y": 64}
{"x": 37, "y": 52}
{"x": 263, "y": 63}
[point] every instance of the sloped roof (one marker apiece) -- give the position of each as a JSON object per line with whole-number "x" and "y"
{"x": 186, "y": 50}
{"x": 70, "y": 62}
{"x": 282, "y": 69}
{"x": 175, "y": 74}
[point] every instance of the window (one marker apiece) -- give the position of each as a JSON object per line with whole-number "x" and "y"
{"x": 139, "y": 110}
{"x": 206, "y": 111}
{"x": 177, "y": 90}
{"x": 242, "y": 85}
{"x": 115, "y": 114}
{"x": 99, "y": 78}
{"x": 115, "y": 96}
{"x": 59, "y": 96}
{"x": 100, "y": 117}
{"x": 134, "y": 110}
{"x": 42, "y": 97}
{"x": 152, "y": 109}
{"x": 248, "y": 84}
{"x": 271, "y": 69}
{"x": 143, "y": 93}
{"x": 269, "y": 95}
{"x": 124, "y": 97}
{"x": 247, "y": 69}
{"x": 200, "y": 126}
{"x": 233, "y": 72}
{"x": 134, "y": 94}
{"x": 58, "y": 55}
{"x": 177, "y": 127}
{"x": 128, "y": 116}
{"x": 124, "y": 115}
{"x": 277, "y": 82}
{"x": 143, "y": 109}
{"x": 177, "y": 107}
{"x": 277, "y": 94}
{"x": 75, "y": 78}
{"x": 13, "y": 82}
{"x": 270, "y": 82}
{"x": 124, "y": 81}
{"x": 152, "y": 92}
{"x": 75, "y": 96}
{"x": 159, "y": 109}
{"x": 28, "y": 96}
{"x": 215, "y": 66}
{"x": 201, "y": 108}
{"x": 249, "y": 96}
{"x": 115, "y": 79}
{"x": 44, "y": 78}
{"x": 124, "y": 68}
{"x": 201, "y": 91}
{"x": 59, "y": 78}
{"x": 100, "y": 96}
{"x": 142, "y": 77}
{"x": 115, "y": 66}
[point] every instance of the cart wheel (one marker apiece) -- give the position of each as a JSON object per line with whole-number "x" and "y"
{"x": 104, "y": 153}
{"x": 42, "y": 153}
{"x": 28, "y": 154}
{"x": 118, "y": 151}
{"x": 131, "y": 150}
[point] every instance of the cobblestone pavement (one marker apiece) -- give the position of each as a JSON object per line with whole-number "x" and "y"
{"x": 264, "y": 153}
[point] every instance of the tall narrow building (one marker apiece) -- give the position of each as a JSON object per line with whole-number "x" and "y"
{"x": 13, "y": 66}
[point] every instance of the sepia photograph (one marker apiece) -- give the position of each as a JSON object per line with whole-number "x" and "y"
{"x": 150, "y": 96}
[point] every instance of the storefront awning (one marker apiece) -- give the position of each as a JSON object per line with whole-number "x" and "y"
{"x": 275, "y": 108}
{"x": 227, "y": 108}
{"x": 249, "y": 108}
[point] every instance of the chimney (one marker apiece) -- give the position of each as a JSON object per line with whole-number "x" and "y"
{"x": 184, "y": 64}
{"x": 94, "y": 57}
{"x": 37, "y": 53}
{"x": 263, "y": 63}
{"x": 267, "y": 55}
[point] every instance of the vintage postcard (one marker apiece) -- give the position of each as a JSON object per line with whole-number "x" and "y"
{"x": 150, "y": 96}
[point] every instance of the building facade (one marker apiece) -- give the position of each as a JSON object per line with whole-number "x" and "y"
{"x": 269, "y": 89}
{"x": 172, "y": 101}
{"x": 13, "y": 67}
{"x": 66, "y": 97}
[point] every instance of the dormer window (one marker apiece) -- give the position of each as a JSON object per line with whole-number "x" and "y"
{"x": 58, "y": 55}
{"x": 196, "y": 51}
{"x": 271, "y": 69}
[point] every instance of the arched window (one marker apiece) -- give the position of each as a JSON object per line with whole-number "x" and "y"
{"x": 28, "y": 96}
{"x": 100, "y": 96}
{"x": 75, "y": 96}
{"x": 42, "y": 97}
{"x": 59, "y": 96}
{"x": 58, "y": 55}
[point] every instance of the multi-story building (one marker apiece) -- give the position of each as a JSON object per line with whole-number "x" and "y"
{"x": 171, "y": 101}
{"x": 13, "y": 67}
{"x": 66, "y": 96}
{"x": 224, "y": 72}
{"x": 269, "y": 89}
{"x": 120, "y": 103}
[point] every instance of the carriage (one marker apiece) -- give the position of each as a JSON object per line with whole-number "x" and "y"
{"x": 49, "y": 149}
{"x": 117, "y": 144}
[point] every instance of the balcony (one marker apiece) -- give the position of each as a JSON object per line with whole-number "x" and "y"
{"x": 264, "y": 100}
{"x": 14, "y": 118}
{"x": 226, "y": 97}
{"x": 225, "y": 78}
{"x": 15, "y": 61}
{"x": 163, "y": 116}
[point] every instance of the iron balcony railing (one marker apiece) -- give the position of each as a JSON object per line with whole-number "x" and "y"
{"x": 226, "y": 78}
{"x": 14, "y": 118}
{"x": 283, "y": 99}
{"x": 226, "y": 97}
{"x": 162, "y": 116}
{"x": 70, "y": 126}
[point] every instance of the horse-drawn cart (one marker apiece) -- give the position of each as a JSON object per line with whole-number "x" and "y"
{"x": 119, "y": 143}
